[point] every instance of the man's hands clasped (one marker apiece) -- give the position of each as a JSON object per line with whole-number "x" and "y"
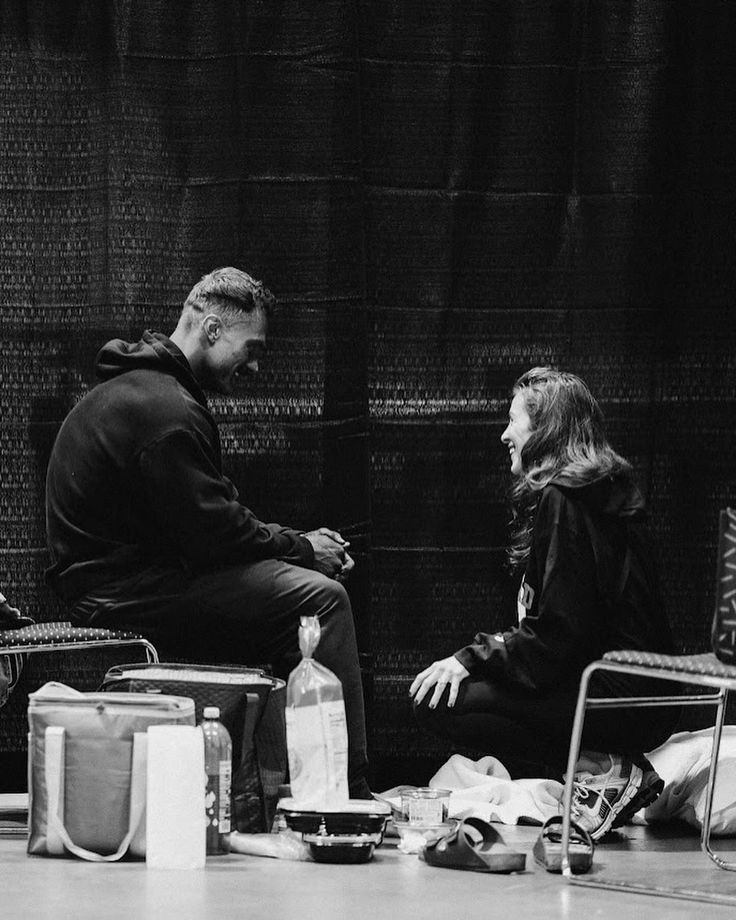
{"x": 330, "y": 553}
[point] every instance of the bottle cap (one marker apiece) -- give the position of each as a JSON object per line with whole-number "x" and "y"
{"x": 211, "y": 712}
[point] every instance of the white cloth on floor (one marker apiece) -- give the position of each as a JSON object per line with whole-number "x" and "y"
{"x": 484, "y": 789}
{"x": 683, "y": 762}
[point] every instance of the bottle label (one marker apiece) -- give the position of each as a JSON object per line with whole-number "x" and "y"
{"x": 217, "y": 801}
{"x": 318, "y": 752}
{"x": 226, "y": 773}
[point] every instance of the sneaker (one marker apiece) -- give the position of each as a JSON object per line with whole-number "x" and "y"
{"x": 650, "y": 790}
{"x": 598, "y": 800}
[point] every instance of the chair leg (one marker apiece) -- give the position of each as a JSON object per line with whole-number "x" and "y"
{"x": 572, "y": 758}
{"x": 151, "y": 653}
{"x": 710, "y": 788}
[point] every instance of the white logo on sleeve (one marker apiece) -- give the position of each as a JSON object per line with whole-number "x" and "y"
{"x": 524, "y": 600}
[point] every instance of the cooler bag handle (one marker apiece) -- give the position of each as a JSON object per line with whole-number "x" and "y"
{"x": 58, "y": 838}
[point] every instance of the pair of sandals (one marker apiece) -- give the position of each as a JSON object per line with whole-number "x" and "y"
{"x": 478, "y": 847}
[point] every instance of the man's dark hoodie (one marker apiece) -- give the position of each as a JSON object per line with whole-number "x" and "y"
{"x": 590, "y": 586}
{"x": 135, "y": 479}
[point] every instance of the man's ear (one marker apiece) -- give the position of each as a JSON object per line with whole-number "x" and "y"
{"x": 212, "y": 327}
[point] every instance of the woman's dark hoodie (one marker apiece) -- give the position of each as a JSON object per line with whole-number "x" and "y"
{"x": 590, "y": 586}
{"x": 135, "y": 479}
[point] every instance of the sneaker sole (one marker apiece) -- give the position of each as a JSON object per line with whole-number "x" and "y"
{"x": 649, "y": 791}
{"x": 629, "y": 794}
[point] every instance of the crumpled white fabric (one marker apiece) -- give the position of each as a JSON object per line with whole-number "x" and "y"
{"x": 484, "y": 789}
{"x": 683, "y": 762}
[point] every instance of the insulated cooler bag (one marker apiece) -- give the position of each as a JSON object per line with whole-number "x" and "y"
{"x": 87, "y": 769}
{"x": 252, "y": 708}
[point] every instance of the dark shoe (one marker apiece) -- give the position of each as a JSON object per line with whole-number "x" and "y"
{"x": 548, "y": 847}
{"x": 650, "y": 790}
{"x": 476, "y": 846}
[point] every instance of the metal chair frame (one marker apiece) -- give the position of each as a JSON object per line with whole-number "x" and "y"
{"x": 677, "y": 672}
{"x": 111, "y": 641}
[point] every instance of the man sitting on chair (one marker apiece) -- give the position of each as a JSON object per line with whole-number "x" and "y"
{"x": 145, "y": 530}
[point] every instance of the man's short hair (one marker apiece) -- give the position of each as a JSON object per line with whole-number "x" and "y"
{"x": 229, "y": 292}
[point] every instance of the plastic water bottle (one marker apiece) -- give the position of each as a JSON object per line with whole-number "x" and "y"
{"x": 218, "y": 763}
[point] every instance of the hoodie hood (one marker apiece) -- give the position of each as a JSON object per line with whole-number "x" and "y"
{"x": 153, "y": 352}
{"x": 616, "y": 495}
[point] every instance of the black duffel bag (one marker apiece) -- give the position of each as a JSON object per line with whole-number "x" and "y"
{"x": 252, "y": 707}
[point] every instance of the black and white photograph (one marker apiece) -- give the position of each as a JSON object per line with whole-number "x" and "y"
{"x": 367, "y": 458}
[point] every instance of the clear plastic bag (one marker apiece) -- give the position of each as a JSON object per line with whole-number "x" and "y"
{"x": 316, "y": 730}
{"x": 284, "y": 845}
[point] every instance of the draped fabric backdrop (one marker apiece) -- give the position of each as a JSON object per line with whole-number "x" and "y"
{"x": 442, "y": 194}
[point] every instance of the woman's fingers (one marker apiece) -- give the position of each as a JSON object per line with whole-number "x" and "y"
{"x": 433, "y": 676}
{"x": 439, "y": 689}
{"x": 454, "y": 689}
{"x": 439, "y": 675}
{"x": 419, "y": 680}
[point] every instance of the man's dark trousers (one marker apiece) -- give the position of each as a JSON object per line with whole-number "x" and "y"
{"x": 245, "y": 614}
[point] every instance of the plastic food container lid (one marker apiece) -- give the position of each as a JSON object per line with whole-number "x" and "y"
{"x": 351, "y": 806}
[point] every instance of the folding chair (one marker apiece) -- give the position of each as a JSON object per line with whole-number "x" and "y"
{"x": 704, "y": 670}
{"x": 62, "y": 636}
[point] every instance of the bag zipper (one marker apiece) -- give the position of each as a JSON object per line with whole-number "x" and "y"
{"x": 164, "y": 703}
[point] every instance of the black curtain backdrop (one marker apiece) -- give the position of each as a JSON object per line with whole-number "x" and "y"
{"x": 442, "y": 194}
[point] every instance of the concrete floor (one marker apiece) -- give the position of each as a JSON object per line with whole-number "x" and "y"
{"x": 393, "y": 885}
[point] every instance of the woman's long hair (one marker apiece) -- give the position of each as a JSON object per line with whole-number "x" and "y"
{"x": 567, "y": 445}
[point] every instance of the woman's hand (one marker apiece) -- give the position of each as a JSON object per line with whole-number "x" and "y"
{"x": 438, "y": 675}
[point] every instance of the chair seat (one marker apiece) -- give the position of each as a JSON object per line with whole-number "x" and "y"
{"x": 61, "y": 633}
{"x": 707, "y": 665}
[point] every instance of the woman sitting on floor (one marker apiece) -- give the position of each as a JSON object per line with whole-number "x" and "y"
{"x": 589, "y": 586}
